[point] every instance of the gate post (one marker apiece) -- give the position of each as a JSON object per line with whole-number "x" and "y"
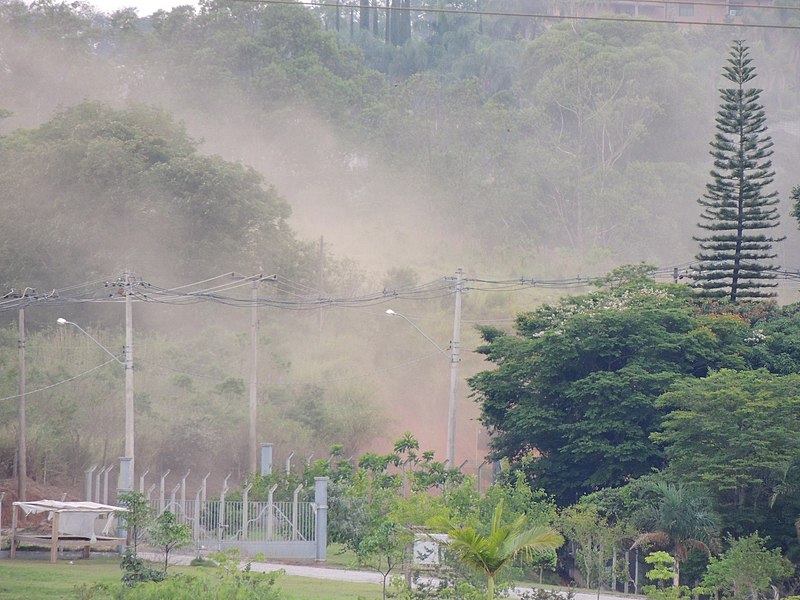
{"x": 245, "y": 516}
{"x": 321, "y": 525}
{"x": 295, "y": 507}
{"x": 270, "y": 512}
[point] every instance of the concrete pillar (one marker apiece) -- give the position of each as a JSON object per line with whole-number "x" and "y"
{"x": 266, "y": 459}
{"x": 321, "y": 502}
{"x": 125, "y": 479}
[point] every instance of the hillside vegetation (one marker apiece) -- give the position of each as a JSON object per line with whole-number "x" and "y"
{"x": 231, "y": 137}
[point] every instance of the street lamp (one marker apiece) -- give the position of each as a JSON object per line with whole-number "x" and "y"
{"x": 126, "y": 463}
{"x": 454, "y": 357}
{"x": 63, "y": 321}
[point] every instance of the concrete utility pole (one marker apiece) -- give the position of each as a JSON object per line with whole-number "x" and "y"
{"x": 129, "y": 403}
{"x": 22, "y": 453}
{"x": 321, "y": 280}
{"x": 455, "y": 358}
{"x": 253, "y": 439}
{"x": 252, "y": 450}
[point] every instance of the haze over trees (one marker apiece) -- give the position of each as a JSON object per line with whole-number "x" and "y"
{"x": 529, "y": 163}
{"x": 140, "y": 190}
{"x": 222, "y": 139}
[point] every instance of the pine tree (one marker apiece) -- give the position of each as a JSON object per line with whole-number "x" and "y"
{"x": 735, "y": 258}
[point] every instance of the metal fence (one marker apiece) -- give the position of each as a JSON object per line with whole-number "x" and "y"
{"x": 216, "y": 522}
{"x": 287, "y": 529}
{"x": 295, "y": 530}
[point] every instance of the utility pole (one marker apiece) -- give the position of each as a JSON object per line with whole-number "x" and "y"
{"x": 455, "y": 358}
{"x": 253, "y": 439}
{"x": 22, "y": 453}
{"x": 129, "y": 403}
{"x": 321, "y": 278}
{"x": 252, "y": 450}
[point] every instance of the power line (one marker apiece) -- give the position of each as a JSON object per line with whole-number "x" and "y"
{"x": 714, "y": 4}
{"x": 456, "y": 11}
{"x": 287, "y": 294}
{"x": 62, "y": 382}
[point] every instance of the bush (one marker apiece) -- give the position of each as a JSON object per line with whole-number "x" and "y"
{"x": 238, "y": 586}
{"x": 137, "y": 571}
{"x": 541, "y": 594}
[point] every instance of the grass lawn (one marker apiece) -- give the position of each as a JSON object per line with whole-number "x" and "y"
{"x": 41, "y": 580}
{"x": 302, "y": 588}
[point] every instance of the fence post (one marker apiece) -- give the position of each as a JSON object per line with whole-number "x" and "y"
{"x": 150, "y": 493}
{"x": 321, "y": 524}
{"x": 2, "y": 495}
{"x": 162, "y": 501}
{"x": 196, "y": 522}
{"x": 244, "y": 510}
{"x": 295, "y": 507}
{"x": 220, "y": 521}
{"x": 141, "y": 481}
{"x": 172, "y": 495}
{"x": 97, "y": 484}
{"x": 87, "y": 483}
{"x": 105, "y": 483}
{"x": 203, "y": 488}
{"x": 270, "y": 512}
{"x": 183, "y": 493}
{"x": 289, "y": 463}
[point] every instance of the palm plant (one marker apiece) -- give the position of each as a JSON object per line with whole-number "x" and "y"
{"x": 680, "y": 519}
{"x": 490, "y": 553}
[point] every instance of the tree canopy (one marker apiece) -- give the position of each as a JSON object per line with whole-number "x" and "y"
{"x": 738, "y": 207}
{"x": 576, "y": 388}
{"x": 95, "y": 189}
{"x": 737, "y": 433}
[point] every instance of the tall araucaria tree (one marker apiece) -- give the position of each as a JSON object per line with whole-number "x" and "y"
{"x": 735, "y": 257}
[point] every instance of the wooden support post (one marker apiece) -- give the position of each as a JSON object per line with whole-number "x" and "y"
{"x": 54, "y": 540}
{"x": 13, "y": 531}
{"x": 2, "y": 495}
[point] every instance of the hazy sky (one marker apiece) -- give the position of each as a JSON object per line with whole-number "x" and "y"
{"x": 144, "y": 7}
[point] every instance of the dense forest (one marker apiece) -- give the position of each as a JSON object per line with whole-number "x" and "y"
{"x": 362, "y": 154}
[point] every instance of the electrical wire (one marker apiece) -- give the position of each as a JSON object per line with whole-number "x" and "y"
{"x": 492, "y": 13}
{"x": 285, "y": 294}
{"x": 58, "y": 383}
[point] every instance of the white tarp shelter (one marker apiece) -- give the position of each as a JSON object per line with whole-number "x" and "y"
{"x": 87, "y": 521}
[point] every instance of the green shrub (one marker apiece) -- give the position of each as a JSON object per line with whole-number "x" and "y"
{"x": 137, "y": 571}
{"x": 244, "y": 586}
